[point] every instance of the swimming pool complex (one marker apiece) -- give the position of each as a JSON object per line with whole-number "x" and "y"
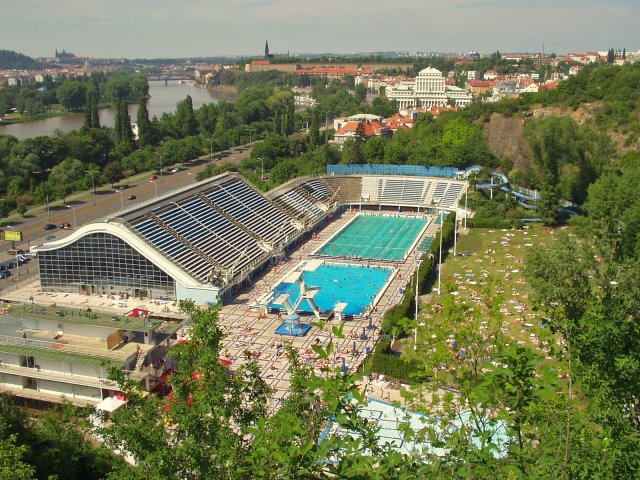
{"x": 378, "y": 237}
{"x": 357, "y": 286}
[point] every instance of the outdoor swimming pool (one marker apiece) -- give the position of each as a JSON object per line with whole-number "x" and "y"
{"x": 375, "y": 236}
{"x": 392, "y": 419}
{"x": 355, "y": 285}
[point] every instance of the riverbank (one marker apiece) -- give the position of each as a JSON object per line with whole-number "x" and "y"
{"x": 226, "y": 89}
{"x": 14, "y": 118}
{"x": 163, "y": 99}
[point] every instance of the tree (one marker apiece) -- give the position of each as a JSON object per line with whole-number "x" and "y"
{"x": 145, "y": 130}
{"x": 185, "y": 119}
{"x": 112, "y": 172}
{"x": 12, "y": 465}
{"x": 590, "y": 295}
{"x": 71, "y": 94}
{"x": 65, "y": 177}
{"x": 122, "y": 127}
{"x": 361, "y": 92}
{"x": 314, "y": 129}
{"x": 220, "y": 426}
{"x": 91, "y": 116}
{"x": 374, "y": 149}
{"x": 548, "y": 209}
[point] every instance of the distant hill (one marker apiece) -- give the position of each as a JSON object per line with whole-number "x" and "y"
{"x": 14, "y": 60}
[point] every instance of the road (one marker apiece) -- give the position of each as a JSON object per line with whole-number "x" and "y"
{"x": 87, "y": 208}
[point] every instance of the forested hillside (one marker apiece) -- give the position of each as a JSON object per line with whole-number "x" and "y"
{"x": 14, "y": 60}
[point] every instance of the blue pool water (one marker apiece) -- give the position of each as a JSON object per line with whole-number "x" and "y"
{"x": 293, "y": 329}
{"x": 356, "y": 285}
{"x": 377, "y": 237}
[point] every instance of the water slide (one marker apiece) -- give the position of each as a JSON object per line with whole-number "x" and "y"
{"x": 504, "y": 185}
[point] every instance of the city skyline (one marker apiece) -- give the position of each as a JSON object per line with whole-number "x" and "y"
{"x": 115, "y": 28}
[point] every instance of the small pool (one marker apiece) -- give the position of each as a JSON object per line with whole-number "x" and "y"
{"x": 375, "y": 236}
{"x": 357, "y": 286}
{"x": 393, "y": 422}
{"x": 294, "y": 329}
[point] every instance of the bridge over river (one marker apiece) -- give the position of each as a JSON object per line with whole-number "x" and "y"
{"x": 166, "y": 77}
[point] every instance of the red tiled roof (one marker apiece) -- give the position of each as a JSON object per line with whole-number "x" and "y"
{"x": 371, "y": 129}
{"x": 481, "y": 83}
{"x": 260, "y": 62}
{"x": 435, "y": 111}
{"x": 332, "y": 71}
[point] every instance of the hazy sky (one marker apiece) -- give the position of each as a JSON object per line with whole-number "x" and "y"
{"x": 166, "y": 28}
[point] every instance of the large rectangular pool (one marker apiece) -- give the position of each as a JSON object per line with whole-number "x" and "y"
{"x": 379, "y": 237}
{"x": 357, "y": 286}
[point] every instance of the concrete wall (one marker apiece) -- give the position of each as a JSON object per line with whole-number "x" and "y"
{"x": 92, "y": 331}
{"x": 10, "y": 359}
{"x": 54, "y": 325}
{"x": 15, "y": 381}
{"x": 73, "y": 391}
{"x": 199, "y": 296}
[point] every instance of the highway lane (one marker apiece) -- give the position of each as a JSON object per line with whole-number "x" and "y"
{"x": 107, "y": 201}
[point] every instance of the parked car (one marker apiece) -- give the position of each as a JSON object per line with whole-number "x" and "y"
{"x": 175, "y": 170}
{"x": 50, "y": 237}
{"x": 5, "y": 274}
{"x": 49, "y": 226}
{"x": 131, "y": 197}
{"x": 64, "y": 225}
{"x": 153, "y": 177}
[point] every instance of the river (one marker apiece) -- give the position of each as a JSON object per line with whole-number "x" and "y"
{"x": 163, "y": 100}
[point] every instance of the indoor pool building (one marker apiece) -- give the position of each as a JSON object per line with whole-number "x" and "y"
{"x": 203, "y": 241}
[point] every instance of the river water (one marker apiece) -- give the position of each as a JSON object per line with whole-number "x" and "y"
{"x": 163, "y": 100}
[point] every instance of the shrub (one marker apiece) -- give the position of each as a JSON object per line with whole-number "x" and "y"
{"x": 391, "y": 366}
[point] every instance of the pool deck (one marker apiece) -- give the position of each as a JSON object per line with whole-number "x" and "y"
{"x": 250, "y": 331}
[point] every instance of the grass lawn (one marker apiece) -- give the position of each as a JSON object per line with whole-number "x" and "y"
{"x": 492, "y": 270}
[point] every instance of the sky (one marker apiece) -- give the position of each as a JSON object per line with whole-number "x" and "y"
{"x": 192, "y": 28}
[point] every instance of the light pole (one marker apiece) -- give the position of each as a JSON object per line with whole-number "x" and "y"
{"x": 415, "y": 328}
{"x": 48, "y": 211}
{"x": 211, "y": 149}
{"x": 74, "y": 214}
{"x": 155, "y": 186}
{"x": 262, "y": 163}
{"x": 455, "y": 235}
{"x": 160, "y": 162}
{"x": 121, "y": 199}
{"x": 93, "y": 183}
{"x": 440, "y": 258}
{"x": 326, "y": 132}
{"x": 466, "y": 212}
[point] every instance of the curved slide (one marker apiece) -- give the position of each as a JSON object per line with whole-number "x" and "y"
{"x": 504, "y": 185}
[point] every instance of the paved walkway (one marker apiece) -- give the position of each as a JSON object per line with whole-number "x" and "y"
{"x": 253, "y": 332}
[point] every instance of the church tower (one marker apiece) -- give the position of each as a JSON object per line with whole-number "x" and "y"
{"x": 266, "y": 49}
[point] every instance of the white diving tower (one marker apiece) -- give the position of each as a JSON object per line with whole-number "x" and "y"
{"x": 306, "y": 293}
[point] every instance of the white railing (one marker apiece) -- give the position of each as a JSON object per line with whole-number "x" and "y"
{"x": 63, "y": 347}
{"x": 57, "y": 375}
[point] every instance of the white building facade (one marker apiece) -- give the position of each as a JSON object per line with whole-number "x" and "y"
{"x": 428, "y": 90}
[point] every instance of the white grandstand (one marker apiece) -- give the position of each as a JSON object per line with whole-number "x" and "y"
{"x": 201, "y": 241}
